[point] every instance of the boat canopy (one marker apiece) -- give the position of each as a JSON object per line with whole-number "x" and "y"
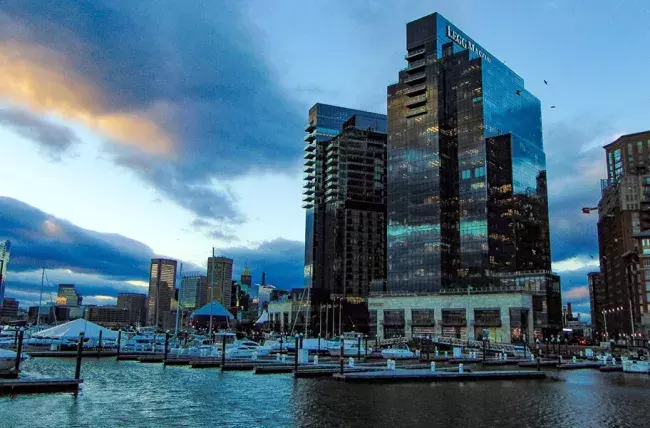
{"x": 71, "y": 330}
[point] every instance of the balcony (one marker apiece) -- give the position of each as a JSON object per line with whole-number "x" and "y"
{"x": 308, "y": 176}
{"x": 310, "y": 137}
{"x": 416, "y": 65}
{"x": 415, "y": 90}
{"x": 308, "y": 185}
{"x": 416, "y": 111}
{"x": 308, "y": 194}
{"x": 309, "y": 168}
{"x": 309, "y": 162}
{"x": 310, "y": 155}
{"x": 415, "y": 53}
{"x": 415, "y": 78}
{"x": 310, "y": 147}
{"x": 308, "y": 205}
{"x": 415, "y": 101}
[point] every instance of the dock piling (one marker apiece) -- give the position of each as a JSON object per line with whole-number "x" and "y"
{"x": 19, "y": 349}
{"x": 223, "y": 351}
{"x": 99, "y": 344}
{"x": 342, "y": 348}
{"x": 359, "y": 347}
{"x": 295, "y": 358}
{"x": 166, "y": 345}
{"x": 80, "y": 349}
{"x": 119, "y": 343}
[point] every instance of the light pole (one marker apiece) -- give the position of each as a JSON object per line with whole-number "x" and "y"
{"x": 605, "y": 322}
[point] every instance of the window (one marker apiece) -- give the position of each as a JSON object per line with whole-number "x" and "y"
{"x": 646, "y": 263}
{"x": 639, "y": 146}
{"x": 465, "y": 174}
{"x": 647, "y": 274}
{"x": 479, "y": 172}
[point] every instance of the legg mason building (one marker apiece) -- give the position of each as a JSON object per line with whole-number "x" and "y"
{"x": 468, "y": 231}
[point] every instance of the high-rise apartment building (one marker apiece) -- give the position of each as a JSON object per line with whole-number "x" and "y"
{"x": 68, "y": 296}
{"x": 623, "y": 303}
{"x": 162, "y": 286}
{"x": 220, "y": 280}
{"x": 596, "y": 298}
{"x": 5, "y": 246}
{"x": 467, "y": 199}
{"x": 325, "y": 122}
{"x": 354, "y": 208}
{"x": 136, "y": 304}
{"x": 194, "y": 290}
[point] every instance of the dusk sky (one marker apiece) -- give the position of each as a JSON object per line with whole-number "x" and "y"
{"x": 134, "y": 129}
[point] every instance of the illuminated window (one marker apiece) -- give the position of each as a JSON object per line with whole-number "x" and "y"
{"x": 465, "y": 174}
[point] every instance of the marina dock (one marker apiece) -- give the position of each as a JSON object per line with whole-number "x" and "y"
{"x": 37, "y": 386}
{"x": 424, "y": 375}
{"x": 609, "y": 369}
{"x": 580, "y": 365}
{"x": 9, "y": 374}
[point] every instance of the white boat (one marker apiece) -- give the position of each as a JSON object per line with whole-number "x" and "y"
{"x": 246, "y": 349}
{"x": 8, "y": 359}
{"x": 636, "y": 366}
{"x": 350, "y": 348}
{"x": 398, "y": 352}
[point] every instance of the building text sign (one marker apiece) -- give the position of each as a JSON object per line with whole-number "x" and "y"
{"x": 466, "y": 44}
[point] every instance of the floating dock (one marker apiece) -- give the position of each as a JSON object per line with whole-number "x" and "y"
{"x": 177, "y": 362}
{"x": 506, "y": 363}
{"x": 579, "y": 365}
{"x": 38, "y": 386}
{"x": 386, "y": 376}
{"x": 608, "y": 369}
{"x": 151, "y": 359}
{"x": 70, "y": 354}
{"x": 533, "y": 364}
{"x": 9, "y": 374}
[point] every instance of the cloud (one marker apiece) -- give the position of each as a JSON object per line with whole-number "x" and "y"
{"x": 188, "y": 101}
{"x": 281, "y": 259}
{"x": 41, "y": 240}
{"x": 52, "y": 138}
{"x": 575, "y": 264}
{"x": 578, "y": 293}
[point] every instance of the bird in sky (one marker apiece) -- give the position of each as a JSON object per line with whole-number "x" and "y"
{"x": 518, "y": 91}
{"x": 552, "y": 106}
{"x": 591, "y": 256}
{"x": 545, "y": 82}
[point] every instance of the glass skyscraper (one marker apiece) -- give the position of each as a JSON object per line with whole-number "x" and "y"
{"x": 5, "y": 247}
{"x": 325, "y": 123}
{"x": 162, "y": 286}
{"x": 467, "y": 199}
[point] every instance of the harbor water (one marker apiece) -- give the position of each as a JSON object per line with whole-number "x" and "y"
{"x": 129, "y": 393}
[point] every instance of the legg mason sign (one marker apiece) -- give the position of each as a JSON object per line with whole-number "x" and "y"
{"x": 466, "y": 44}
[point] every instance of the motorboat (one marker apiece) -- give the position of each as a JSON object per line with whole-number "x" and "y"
{"x": 636, "y": 366}
{"x": 350, "y": 349}
{"x": 8, "y": 359}
{"x": 398, "y": 352}
{"x": 246, "y": 349}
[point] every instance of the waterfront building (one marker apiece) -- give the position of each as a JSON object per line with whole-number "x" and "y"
{"x": 325, "y": 122}
{"x": 219, "y": 275}
{"x": 162, "y": 286}
{"x": 68, "y": 296}
{"x": 194, "y": 290}
{"x": 499, "y": 316}
{"x": 467, "y": 193}
{"x": 9, "y": 310}
{"x": 623, "y": 301}
{"x": 136, "y": 305}
{"x": 597, "y": 292}
{"x": 5, "y": 247}
{"x": 108, "y": 316}
{"x": 288, "y": 313}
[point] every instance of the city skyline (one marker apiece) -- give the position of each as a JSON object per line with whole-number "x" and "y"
{"x": 257, "y": 179}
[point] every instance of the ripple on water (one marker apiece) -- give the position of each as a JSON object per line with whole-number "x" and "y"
{"x": 149, "y": 395}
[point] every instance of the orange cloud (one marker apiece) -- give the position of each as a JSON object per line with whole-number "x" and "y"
{"x": 577, "y": 293}
{"x": 40, "y": 80}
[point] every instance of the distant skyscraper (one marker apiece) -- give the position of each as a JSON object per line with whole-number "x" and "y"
{"x": 246, "y": 278}
{"x": 220, "y": 279}
{"x": 5, "y": 246}
{"x": 354, "y": 209}
{"x": 325, "y": 123}
{"x": 68, "y": 296}
{"x": 162, "y": 286}
{"x": 467, "y": 200}
{"x": 194, "y": 290}
{"x": 136, "y": 304}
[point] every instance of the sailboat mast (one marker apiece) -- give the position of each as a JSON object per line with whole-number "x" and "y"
{"x": 40, "y": 299}
{"x": 211, "y": 292}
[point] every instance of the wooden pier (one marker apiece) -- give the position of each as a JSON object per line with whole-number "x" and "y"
{"x": 386, "y": 376}
{"x": 87, "y": 353}
{"x": 38, "y": 386}
{"x": 9, "y": 374}
{"x": 151, "y": 359}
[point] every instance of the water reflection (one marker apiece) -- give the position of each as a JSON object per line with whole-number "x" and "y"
{"x": 150, "y": 395}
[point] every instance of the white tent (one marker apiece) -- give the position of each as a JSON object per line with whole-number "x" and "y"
{"x": 264, "y": 318}
{"x": 71, "y": 330}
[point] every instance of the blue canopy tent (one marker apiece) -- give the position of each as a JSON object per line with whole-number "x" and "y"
{"x": 220, "y": 315}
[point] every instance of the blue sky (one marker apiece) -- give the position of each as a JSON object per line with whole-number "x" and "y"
{"x": 168, "y": 127}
